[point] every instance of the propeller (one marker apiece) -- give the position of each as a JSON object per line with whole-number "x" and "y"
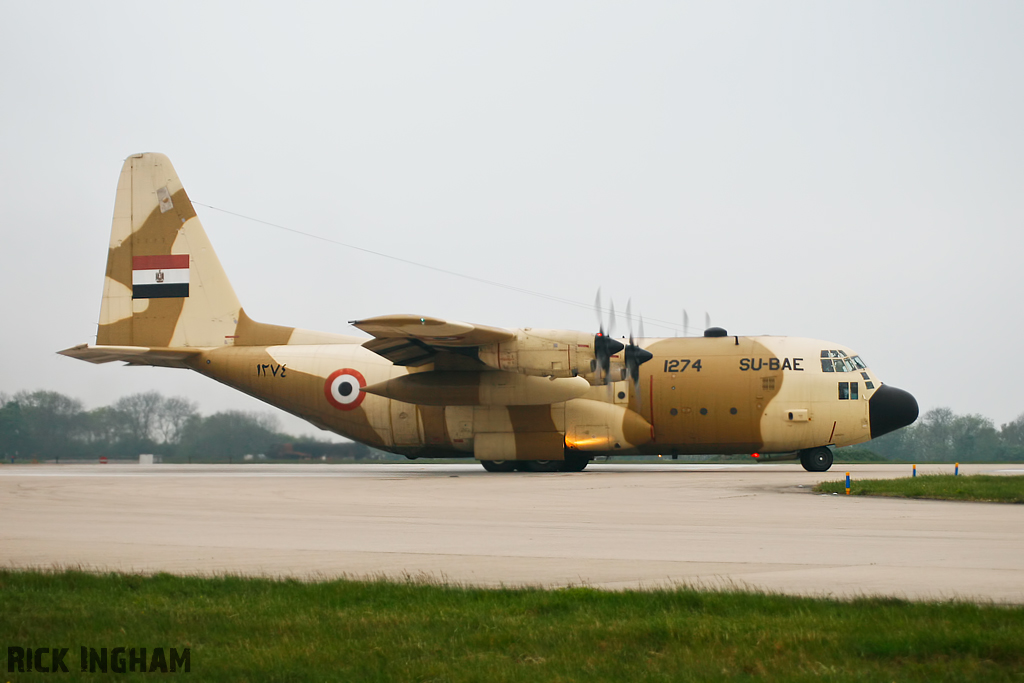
{"x": 604, "y": 346}
{"x": 635, "y": 355}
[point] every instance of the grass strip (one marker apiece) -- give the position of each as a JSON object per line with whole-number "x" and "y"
{"x": 268, "y": 630}
{"x": 984, "y": 488}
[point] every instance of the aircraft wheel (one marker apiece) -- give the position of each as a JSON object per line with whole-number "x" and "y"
{"x": 575, "y": 462}
{"x": 499, "y": 465}
{"x": 542, "y": 465}
{"x": 816, "y": 459}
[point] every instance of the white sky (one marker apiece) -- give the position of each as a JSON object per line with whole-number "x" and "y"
{"x": 846, "y": 171}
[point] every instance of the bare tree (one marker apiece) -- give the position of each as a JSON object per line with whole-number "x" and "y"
{"x": 141, "y": 414}
{"x": 174, "y": 414}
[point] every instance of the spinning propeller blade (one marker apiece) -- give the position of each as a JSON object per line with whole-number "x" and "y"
{"x": 635, "y": 355}
{"x": 604, "y": 346}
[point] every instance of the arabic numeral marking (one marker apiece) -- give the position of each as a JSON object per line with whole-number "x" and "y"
{"x": 275, "y": 370}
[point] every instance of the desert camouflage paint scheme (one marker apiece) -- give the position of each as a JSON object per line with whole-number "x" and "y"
{"x": 427, "y": 387}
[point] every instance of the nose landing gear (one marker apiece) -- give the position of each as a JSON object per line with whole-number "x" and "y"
{"x": 816, "y": 459}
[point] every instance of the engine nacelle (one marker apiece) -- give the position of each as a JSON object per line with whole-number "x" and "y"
{"x": 543, "y": 353}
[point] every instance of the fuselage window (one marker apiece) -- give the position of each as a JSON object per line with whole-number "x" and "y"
{"x": 826, "y": 364}
{"x": 869, "y": 385}
{"x": 848, "y": 391}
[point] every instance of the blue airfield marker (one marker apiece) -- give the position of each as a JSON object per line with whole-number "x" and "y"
{"x": 847, "y": 483}
{"x": 915, "y": 470}
{"x": 956, "y": 470}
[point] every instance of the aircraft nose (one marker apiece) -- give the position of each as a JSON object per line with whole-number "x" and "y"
{"x": 891, "y": 408}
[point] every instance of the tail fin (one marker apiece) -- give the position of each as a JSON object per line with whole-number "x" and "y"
{"x": 165, "y": 286}
{"x": 166, "y": 295}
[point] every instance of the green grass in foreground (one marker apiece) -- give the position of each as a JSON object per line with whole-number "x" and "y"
{"x": 977, "y": 487}
{"x": 264, "y": 630}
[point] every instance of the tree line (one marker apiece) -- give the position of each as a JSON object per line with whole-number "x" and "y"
{"x": 47, "y": 425}
{"x": 940, "y": 435}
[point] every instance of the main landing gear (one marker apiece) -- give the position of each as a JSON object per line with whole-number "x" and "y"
{"x": 499, "y": 465}
{"x": 574, "y": 462}
{"x": 816, "y": 459}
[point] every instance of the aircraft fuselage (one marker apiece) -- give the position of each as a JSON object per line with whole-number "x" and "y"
{"x": 728, "y": 394}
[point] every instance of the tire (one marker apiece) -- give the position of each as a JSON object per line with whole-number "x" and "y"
{"x": 816, "y": 459}
{"x": 543, "y": 465}
{"x": 575, "y": 462}
{"x": 499, "y": 465}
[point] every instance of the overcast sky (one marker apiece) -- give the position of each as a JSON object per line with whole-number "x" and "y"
{"x": 852, "y": 172}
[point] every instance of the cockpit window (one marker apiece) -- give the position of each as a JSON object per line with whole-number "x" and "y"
{"x": 834, "y": 360}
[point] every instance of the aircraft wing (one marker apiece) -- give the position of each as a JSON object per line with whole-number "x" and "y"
{"x": 414, "y": 340}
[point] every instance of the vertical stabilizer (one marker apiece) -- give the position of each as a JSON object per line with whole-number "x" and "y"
{"x": 165, "y": 286}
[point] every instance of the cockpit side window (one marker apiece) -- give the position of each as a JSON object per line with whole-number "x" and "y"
{"x": 849, "y": 391}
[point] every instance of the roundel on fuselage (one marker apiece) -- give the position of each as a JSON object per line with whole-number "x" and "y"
{"x": 342, "y": 389}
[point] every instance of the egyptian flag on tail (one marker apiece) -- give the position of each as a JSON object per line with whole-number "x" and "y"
{"x": 160, "y": 277}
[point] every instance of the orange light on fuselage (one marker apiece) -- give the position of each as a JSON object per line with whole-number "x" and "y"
{"x": 755, "y": 455}
{"x": 588, "y": 443}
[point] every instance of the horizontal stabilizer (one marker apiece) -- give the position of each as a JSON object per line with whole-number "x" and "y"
{"x": 133, "y": 355}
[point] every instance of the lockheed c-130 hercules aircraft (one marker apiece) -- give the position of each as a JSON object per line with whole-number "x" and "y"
{"x": 424, "y": 387}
